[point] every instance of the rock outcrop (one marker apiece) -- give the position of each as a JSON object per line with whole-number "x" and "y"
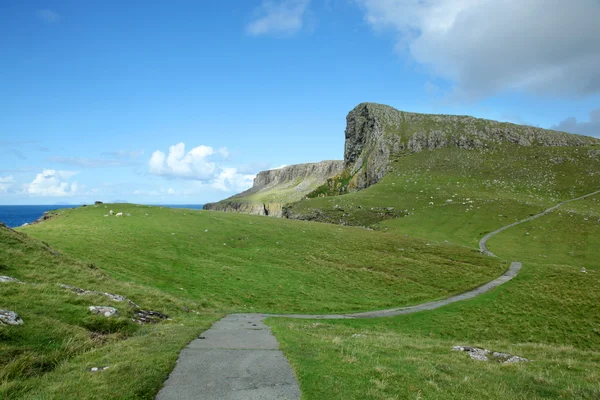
{"x": 274, "y": 188}
{"x": 374, "y": 132}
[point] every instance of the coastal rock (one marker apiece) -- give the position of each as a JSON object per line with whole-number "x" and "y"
{"x": 278, "y": 187}
{"x": 376, "y": 131}
{"x": 103, "y": 310}
{"x": 8, "y": 317}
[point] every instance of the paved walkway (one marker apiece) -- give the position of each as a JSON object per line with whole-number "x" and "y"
{"x": 238, "y": 358}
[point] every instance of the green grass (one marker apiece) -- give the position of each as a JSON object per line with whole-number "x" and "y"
{"x": 458, "y": 195}
{"x": 170, "y": 260}
{"x": 249, "y": 263}
{"x": 49, "y": 356}
{"x": 549, "y": 313}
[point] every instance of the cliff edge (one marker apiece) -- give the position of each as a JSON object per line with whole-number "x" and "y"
{"x": 274, "y": 188}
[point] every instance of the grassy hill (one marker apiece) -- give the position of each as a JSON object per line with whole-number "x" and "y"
{"x": 427, "y": 206}
{"x": 194, "y": 266}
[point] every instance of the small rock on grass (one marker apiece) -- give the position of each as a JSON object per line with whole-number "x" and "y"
{"x": 480, "y": 354}
{"x": 103, "y": 310}
{"x": 148, "y": 317}
{"x": 8, "y": 317}
{"x": 4, "y": 279}
{"x": 97, "y": 369}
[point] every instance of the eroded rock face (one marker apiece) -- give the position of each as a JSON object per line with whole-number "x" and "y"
{"x": 376, "y": 131}
{"x": 103, "y": 310}
{"x": 279, "y": 186}
{"x": 8, "y": 317}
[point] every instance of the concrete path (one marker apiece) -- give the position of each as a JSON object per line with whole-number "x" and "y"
{"x": 238, "y": 358}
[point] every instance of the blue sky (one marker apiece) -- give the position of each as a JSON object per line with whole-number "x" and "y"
{"x": 184, "y": 101}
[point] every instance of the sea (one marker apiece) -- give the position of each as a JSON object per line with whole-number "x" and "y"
{"x": 15, "y": 216}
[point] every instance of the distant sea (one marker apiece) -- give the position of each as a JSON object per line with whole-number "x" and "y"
{"x": 15, "y": 216}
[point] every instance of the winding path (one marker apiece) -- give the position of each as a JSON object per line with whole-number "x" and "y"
{"x": 238, "y": 358}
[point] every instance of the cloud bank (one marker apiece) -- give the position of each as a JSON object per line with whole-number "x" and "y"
{"x": 53, "y": 183}
{"x": 199, "y": 164}
{"x": 489, "y": 46}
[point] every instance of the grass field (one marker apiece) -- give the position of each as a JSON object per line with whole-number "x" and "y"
{"x": 173, "y": 260}
{"x": 549, "y": 313}
{"x": 241, "y": 262}
{"x": 457, "y": 195}
{"x": 428, "y": 213}
{"x": 49, "y": 356}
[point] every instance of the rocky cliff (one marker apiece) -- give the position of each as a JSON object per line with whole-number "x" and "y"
{"x": 374, "y": 132}
{"x": 274, "y": 188}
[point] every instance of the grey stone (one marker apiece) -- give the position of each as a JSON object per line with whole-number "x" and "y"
{"x": 103, "y": 310}
{"x": 115, "y": 297}
{"x": 8, "y": 317}
{"x": 479, "y": 354}
{"x": 4, "y": 279}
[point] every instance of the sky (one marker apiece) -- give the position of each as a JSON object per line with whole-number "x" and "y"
{"x": 183, "y": 102}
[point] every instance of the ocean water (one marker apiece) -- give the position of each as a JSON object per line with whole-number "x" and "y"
{"x": 15, "y": 216}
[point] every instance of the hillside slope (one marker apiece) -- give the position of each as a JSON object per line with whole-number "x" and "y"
{"x": 274, "y": 188}
{"x": 376, "y": 136}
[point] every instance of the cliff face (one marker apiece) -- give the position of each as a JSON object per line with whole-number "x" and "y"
{"x": 274, "y": 188}
{"x": 376, "y": 131}
{"x": 374, "y": 134}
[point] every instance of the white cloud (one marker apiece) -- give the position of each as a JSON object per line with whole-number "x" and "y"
{"x": 178, "y": 164}
{"x": 198, "y": 164}
{"x": 48, "y": 16}
{"x": 489, "y": 46}
{"x": 51, "y": 182}
{"x": 6, "y": 183}
{"x": 230, "y": 180}
{"x": 283, "y": 17}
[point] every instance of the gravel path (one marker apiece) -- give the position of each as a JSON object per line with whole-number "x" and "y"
{"x": 238, "y": 358}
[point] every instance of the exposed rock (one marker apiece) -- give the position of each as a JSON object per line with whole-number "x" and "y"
{"x": 594, "y": 153}
{"x": 115, "y": 297}
{"x": 4, "y": 279}
{"x": 375, "y": 134}
{"x": 148, "y": 317}
{"x": 296, "y": 181}
{"x": 103, "y": 310}
{"x": 8, "y": 317}
{"x": 376, "y": 131}
{"x": 46, "y": 216}
{"x": 479, "y": 354}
